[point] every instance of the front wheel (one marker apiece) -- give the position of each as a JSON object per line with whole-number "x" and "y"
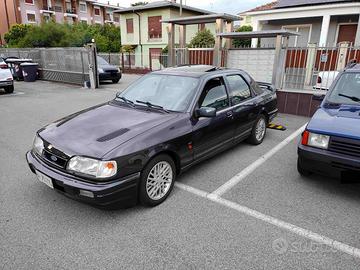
{"x": 157, "y": 180}
{"x": 115, "y": 80}
{"x": 9, "y": 89}
{"x": 259, "y": 130}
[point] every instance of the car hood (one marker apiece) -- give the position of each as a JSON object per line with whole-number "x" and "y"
{"x": 108, "y": 67}
{"x": 343, "y": 121}
{"x": 97, "y": 130}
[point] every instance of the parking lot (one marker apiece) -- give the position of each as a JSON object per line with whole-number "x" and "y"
{"x": 246, "y": 208}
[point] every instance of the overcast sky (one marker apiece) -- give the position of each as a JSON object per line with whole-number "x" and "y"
{"x": 223, "y": 6}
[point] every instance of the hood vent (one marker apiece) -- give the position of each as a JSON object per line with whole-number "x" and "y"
{"x": 112, "y": 135}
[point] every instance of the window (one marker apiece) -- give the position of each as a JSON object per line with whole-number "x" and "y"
{"x": 82, "y": 7}
{"x": 304, "y": 38}
{"x": 238, "y": 89}
{"x": 84, "y": 20}
{"x": 31, "y": 2}
{"x": 116, "y": 19}
{"x": 154, "y": 27}
{"x": 97, "y": 11}
{"x": 58, "y": 9}
{"x": 214, "y": 95}
{"x": 201, "y": 27}
{"x": 31, "y": 17}
{"x": 129, "y": 26}
{"x": 346, "y": 90}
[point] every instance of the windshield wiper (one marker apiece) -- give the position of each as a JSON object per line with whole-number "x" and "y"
{"x": 149, "y": 104}
{"x": 356, "y": 99}
{"x": 128, "y": 101}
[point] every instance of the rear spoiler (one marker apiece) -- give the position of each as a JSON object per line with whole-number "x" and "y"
{"x": 267, "y": 86}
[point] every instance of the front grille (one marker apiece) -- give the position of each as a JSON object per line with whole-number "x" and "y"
{"x": 350, "y": 147}
{"x": 54, "y": 156}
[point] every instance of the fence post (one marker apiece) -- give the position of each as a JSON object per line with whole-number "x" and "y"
{"x": 93, "y": 74}
{"x": 311, "y": 55}
{"x": 343, "y": 50}
{"x": 122, "y": 62}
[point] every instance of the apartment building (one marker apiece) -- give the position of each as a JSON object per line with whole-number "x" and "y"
{"x": 61, "y": 11}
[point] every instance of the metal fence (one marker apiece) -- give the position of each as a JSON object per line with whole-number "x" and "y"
{"x": 316, "y": 67}
{"x": 70, "y": 65}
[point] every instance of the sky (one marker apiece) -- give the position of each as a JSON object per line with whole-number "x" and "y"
{"x": 221, "y": 6}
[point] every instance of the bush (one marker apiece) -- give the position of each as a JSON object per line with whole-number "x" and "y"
{"x": 53, "y": 34}
{"x": 243, "y": 42}
{"x": 203, "y": 39}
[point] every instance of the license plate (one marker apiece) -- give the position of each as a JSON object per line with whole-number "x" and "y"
{"x": 44, "y": 179}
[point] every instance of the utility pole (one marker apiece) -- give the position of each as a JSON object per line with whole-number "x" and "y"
{"x": 180, "y": 8}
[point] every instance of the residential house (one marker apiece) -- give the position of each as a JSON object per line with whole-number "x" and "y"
{"x": 321, "y": 22}
{"x": 141, "y": 27}
{"x": 61, "y": 11}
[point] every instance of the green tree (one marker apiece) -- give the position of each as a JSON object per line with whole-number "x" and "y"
{"x": 203, "y": 39}
{"x": 139, "y": 4}
{"x": 243, "y": 42}
{"x": 16, "y": 33}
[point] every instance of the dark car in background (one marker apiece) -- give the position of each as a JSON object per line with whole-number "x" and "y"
{"x": 108, "y": 72}
{"x": 133, "y": 147}
{"x": 331, "y": 142}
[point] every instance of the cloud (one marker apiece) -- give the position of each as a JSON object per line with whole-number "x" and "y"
{"x": 221, "y": 6}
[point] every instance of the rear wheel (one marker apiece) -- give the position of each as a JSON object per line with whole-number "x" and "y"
{"x": 9, "y": 89}
{"x": 157, "y": 180}
{"x": 259, "y": 130}
{"x": 301, "y": 170}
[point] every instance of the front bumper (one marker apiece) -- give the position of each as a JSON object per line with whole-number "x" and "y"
{"x": 120, "y": 192}
{"x": 6, "y": 83}
{"x": 327, "y": 163}
{"x": 109, "y": 76}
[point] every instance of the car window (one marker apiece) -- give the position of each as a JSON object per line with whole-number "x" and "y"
{"x": 214, "y": 95}
{"x": 171, "y": 92}
{"x": 346, "y": 90}
{"x": 101, "y": 61}
{"x": 238, "y": 89}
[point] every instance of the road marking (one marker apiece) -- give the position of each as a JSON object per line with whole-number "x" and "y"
{"x": 355, "y": 252}
{"x": 12, "y": 94}
{"x": 251, "y": 168}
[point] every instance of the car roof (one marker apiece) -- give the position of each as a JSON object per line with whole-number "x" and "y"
{"x": 196, "y": 71}
{"x": 353, "y": 68}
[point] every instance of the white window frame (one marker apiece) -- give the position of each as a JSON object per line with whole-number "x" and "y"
{"x": 83, "y": 19}
{"x": 83, "y": 3}
{"x": 338, "y": 30}
{"x": 96, "y": 7}
{"x": 32, "y": 13}
{"x": 30, "y": 3}
{"x": 296, "y": 27}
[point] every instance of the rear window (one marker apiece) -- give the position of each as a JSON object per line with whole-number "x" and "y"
{"x": 346, "y": 90}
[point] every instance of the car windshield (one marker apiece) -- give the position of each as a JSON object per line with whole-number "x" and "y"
{"x": 101, "y": 61}
{"x": 346, "y": 90}
{"x": 172, "y": 93}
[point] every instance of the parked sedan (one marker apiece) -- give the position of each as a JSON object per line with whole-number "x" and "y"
{"x": 107, "y": 71}
{"x": 133, "y": 147}
{"x": 6, "y": 78}
{"x": 331, "y": 142}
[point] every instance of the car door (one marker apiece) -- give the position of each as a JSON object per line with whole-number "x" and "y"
{"x": 245, "y": 104}
{"x": 212, "y": 134}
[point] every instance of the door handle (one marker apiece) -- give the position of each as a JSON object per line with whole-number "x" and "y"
{"x": 229, "y": 114}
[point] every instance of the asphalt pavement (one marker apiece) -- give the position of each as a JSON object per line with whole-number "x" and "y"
{"x": 271, "y": 218}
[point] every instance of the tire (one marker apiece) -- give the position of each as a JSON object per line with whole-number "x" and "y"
{"x": 255, "y": 137}
{"x": 115, "y": 80}
{"x": 301, "y": 169}
{"x": 149, "y": 190}
{"x": 9, "y": 89}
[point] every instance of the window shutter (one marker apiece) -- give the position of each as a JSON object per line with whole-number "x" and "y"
{"x": 130, "y": 26}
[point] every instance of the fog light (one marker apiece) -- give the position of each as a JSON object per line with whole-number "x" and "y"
{"x": 86, "y": 193}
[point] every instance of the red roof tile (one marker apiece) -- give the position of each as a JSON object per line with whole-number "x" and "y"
{"x": 264, "y": 7}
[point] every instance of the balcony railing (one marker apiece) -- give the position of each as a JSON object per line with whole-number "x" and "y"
{"x": 48, "y": 8}
{"x": 71, "y": 11}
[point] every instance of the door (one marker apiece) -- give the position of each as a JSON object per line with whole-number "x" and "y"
{"x": 347, "y": 33}
{"x": 154, "y": 58}
{"x": 245, "y": 105}
{"x": 212, "y": 134}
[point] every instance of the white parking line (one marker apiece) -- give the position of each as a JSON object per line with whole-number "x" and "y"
{"x": 355, "y": 252}
{"x": 249, "y": 169}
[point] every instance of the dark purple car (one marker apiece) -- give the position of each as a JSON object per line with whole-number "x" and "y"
{"x": 132, "y": 148}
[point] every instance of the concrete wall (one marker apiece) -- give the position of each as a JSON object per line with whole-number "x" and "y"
{"x": 258, "y": 63}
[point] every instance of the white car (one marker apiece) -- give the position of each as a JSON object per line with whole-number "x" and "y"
{"x": 6, "y": 78}
{"x": 325, "y": 79}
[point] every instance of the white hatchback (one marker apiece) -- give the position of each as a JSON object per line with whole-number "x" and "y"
{"x": 6, "y": 78}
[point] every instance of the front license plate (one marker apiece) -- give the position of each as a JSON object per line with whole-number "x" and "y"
{"x": 44, "y": 179}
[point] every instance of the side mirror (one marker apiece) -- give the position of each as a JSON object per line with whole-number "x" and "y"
{"x": 319, "y": 97}
{"x": 205, "y": 112}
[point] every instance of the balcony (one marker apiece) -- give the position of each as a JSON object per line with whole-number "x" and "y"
{"x": 70, "y": 13}
{"x": 47, "y": 9}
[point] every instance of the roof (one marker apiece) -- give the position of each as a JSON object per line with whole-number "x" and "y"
{"x": 195, "y": 71}
{"x": 259, "y": 34}
{"x": 202, "y": 19}
{"x": 162, "y": 4}
{"x": 298, "y": 3}
{"x": 95, "y": 3}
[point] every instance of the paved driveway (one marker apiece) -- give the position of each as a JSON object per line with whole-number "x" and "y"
{"x": 246, "y": 208}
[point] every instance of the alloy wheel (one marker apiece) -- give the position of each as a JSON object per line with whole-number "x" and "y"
{"x": 159, "y": 180}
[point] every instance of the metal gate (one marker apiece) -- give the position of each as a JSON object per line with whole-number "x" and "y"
{"x": 315, "y": 68}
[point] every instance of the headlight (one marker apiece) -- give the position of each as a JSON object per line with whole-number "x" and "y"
{"x": 38, "y": 145}
{"x": 100, "y": 70}
{"x": 119, "y": 70}
{"x": 93, "y": 167}
{"x": 315, "y": 140}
